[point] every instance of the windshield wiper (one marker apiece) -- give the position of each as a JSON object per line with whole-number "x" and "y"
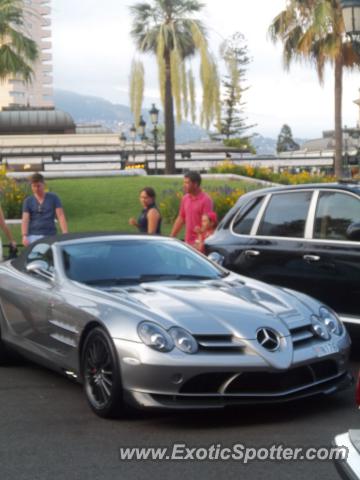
{"x": 152, "y": 277}
{"x": 165, "y": 276}
{"x": 224, "y": 274}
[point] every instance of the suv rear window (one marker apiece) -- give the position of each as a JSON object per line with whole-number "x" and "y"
{"x": 286, "y": 214}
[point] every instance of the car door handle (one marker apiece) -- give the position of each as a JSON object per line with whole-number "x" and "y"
{"x": 252, "y": 253}
{"x": 311, "y": 258}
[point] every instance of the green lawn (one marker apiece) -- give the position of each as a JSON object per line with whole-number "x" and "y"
{"x": 103, "y": 204}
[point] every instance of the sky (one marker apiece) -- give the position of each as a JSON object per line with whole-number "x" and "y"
{"x": 93, "y": 51}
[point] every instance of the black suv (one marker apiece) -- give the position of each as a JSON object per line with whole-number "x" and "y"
{"x": 304, "y": 237}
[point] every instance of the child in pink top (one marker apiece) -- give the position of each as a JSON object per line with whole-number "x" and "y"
{"x": 208, "y": 226}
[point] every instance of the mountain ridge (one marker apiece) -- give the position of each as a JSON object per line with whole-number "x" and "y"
{"x": 92, "y": 109}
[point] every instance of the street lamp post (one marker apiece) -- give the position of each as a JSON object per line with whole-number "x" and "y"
{"x": 142, "y": 127}
{"x": 142, "y": 131}
{"x": 123, "y": 141}
{"x": 351, "y": 15}
{"x": 154, "y": 115}
{"x": 133, "y": 138}
{"x": 145, "y": 143}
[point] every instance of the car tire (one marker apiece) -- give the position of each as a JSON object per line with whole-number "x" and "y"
{"x": 100, "y": 372}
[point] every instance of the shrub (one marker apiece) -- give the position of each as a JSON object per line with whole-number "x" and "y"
{"x": 224, "y": 198}
{"x": 12, "y": 195}
{"x": 240, "y": 143}
{"x": 169, "y": 204}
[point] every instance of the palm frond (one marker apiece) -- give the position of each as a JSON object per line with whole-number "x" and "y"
{"x": 170, "y": 30}
{"x": 18, "y": 51}
{"x": 11, "y": 65}
{"x": 192, "y": 95}
{"x": 137, "y": 82}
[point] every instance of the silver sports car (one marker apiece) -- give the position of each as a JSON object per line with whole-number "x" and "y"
{"x": 148, "y": 322}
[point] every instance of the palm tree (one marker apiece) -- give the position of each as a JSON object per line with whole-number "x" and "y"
{"x": 169, "y": 30}
{"x": 314, "y": 30}
{"x": 17, "y": 50}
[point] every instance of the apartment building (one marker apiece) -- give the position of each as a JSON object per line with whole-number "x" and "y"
{"x": 39, "y": 92}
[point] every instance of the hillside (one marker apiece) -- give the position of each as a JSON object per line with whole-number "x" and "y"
{"x": 88, "y": 109}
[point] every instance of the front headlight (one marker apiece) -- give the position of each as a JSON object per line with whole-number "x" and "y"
{"x": 331, "y": 321}
{"x": 319, "y": 328}
{"x": 155, "y": 337}
{"x": 183, "y": 340}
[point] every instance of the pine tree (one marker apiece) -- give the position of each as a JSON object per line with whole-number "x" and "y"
{"x": 285, "y": 142}
{"x": 235, "y": 54}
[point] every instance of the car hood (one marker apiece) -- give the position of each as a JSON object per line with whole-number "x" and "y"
{"x": 231, "y": 306}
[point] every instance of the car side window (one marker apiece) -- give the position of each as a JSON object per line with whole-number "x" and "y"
{"x": 245, "y": 219}
{"x": 286, "y": 215}
{"x": 41, "y": 251}
{"x": 335, "y": 212}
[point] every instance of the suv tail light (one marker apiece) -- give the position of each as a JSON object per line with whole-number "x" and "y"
{"x": 358, "y": 391}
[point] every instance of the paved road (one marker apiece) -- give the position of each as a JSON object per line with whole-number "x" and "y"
{"x": 47, "y": 431}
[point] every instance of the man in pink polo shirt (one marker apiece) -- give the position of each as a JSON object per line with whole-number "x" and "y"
{"x": 193, "y": 205}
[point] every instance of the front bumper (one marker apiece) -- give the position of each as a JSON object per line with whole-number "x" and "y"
{"x": 179, "y": 381}
{"x": 348, "y": 469}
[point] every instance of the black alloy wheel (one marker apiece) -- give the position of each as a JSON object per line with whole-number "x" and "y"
{"x": 101, "y": 375}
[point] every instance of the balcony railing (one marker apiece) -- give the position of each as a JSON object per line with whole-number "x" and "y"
{"x": 45, "y": 45}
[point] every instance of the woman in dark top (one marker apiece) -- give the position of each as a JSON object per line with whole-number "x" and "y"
{"x": 149, "y": 220}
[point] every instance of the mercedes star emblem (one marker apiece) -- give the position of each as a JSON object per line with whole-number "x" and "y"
{"x": 268, "y": 339}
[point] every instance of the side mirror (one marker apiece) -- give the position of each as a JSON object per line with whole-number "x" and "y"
{"x": 216, "y": 257}
{"x": 41, "y": 268}
{"x": 353, "y": 232}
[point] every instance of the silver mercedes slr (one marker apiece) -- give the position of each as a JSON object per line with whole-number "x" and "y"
{"x": 148, "y": 322}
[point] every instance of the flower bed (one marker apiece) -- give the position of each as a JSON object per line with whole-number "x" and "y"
{"x": 263, "y": 173}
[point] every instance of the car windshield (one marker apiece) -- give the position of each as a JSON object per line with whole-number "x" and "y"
{"x": 119, "y": 262}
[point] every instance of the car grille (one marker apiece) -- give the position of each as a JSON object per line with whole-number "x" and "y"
{"x": 185, "y": 400}
{"x": 260, "y": 383}
{"x": 230, "y": 344}
{"x": 301, "y": 335}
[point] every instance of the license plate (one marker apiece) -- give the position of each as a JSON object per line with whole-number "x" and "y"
{"x": 327, "y": 349}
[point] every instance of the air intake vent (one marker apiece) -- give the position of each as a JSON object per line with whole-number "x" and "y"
{"x": 220, "y": 343}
